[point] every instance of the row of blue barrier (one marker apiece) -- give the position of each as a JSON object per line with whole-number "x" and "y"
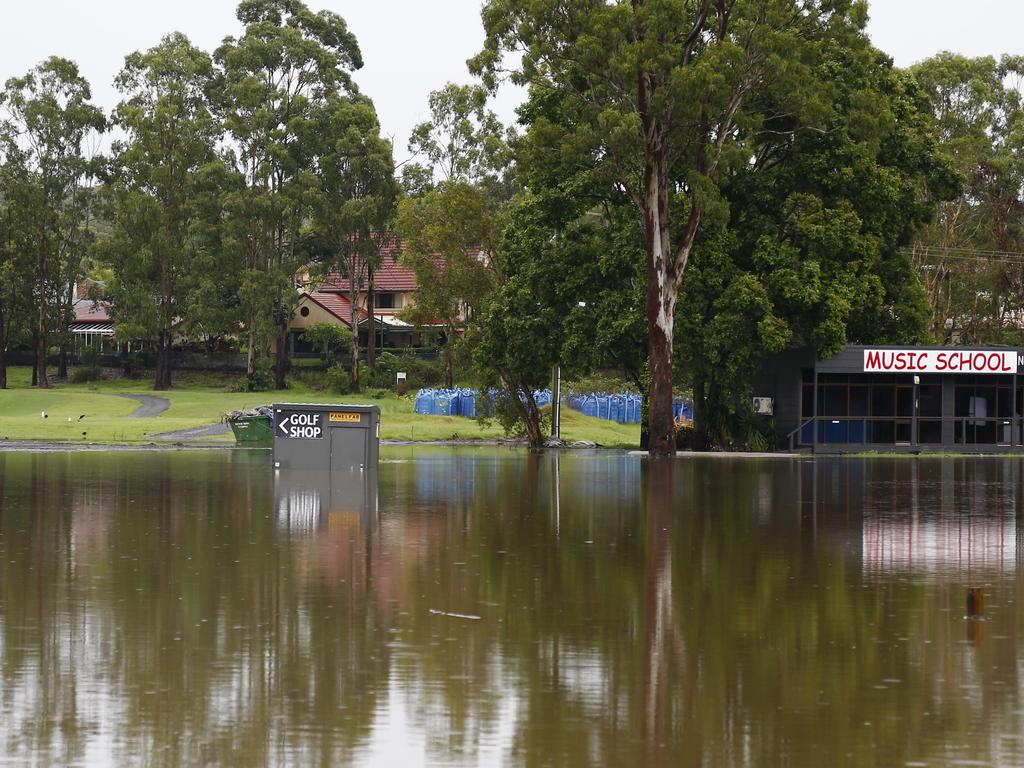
{"x": 624, "y": 408}
{"x": 461, "y": 402}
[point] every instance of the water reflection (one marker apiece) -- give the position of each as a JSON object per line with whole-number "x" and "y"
{"x": 200, "y": 608}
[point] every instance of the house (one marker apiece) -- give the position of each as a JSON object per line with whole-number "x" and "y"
{"x": 395, "y": 290}
{"x": 92, "y": 326}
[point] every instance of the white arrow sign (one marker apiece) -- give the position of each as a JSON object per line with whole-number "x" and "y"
{"x": 301, "y": 425}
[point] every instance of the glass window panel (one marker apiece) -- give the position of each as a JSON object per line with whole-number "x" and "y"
{"x": 835, "y": 400}
{"x": 860, "y": 399}
{"x": 929, "y": 432}
{"x": 962, "y": 401}
{"x": 881, "y": 432}
{"x": 904, "y": 401}
{"x": 929, "y": 400}
{"x": 883, "y": 401}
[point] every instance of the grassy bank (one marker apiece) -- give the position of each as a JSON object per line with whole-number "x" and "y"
{"x": 97, "y": 411}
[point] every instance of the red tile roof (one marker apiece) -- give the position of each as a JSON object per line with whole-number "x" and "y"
{"x": 391, "y": 275}
{"x": 88, "y": 311}
{"x": 335, "y": 303}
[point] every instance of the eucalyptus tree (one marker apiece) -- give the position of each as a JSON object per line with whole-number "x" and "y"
{"x": 450, "y": 240}
{"x": 462, "y": 140}
{"x": 355, "y": 201}
{"x": 974, "y": 286}
{"x": 271, "y": 88}
{"x": 159, "y": 172}
{"x": 15, "y": 285}
{"x": 47, "y": 122}
{"x": 653, "y": 98}
{"x": 451, "y": 226}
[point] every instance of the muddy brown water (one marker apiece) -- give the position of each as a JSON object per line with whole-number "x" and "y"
{"x": 489, "y": 607}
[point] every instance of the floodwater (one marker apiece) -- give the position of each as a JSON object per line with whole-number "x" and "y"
{"x": 489, "y": 607}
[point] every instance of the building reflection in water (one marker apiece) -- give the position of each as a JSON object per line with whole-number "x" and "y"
{"x": 306, "y": 502}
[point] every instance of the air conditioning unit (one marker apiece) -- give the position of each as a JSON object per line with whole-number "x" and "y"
{"x": 764, "y": 406}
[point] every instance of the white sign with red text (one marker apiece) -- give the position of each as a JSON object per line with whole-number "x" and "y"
{"x": 940, "y": 361}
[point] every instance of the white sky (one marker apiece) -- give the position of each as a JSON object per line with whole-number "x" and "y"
{"x": 411, "y": 47}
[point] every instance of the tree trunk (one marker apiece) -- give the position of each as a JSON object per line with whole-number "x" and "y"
{"x": 40, "y": 378}
{"x": 281, "y": 361}
{"x": 528, "y": 411}
{"x": 35, "y": 362}
{"x": 371, "y": 339}
{"x": 701, "y": 427}
{"x": 3, "y": 353}
{"x": 162, "y": 379}
{"x": 250, "y": 362}
{"x": 62, "y": 365}
{"x": 353, "y": 296}
{"x": 448, "y": 355}
{"x": 660, "y": 304}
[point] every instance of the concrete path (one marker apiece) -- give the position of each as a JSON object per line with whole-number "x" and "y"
{"x": 194, "y": 433}
{"x": 149, "y": 406}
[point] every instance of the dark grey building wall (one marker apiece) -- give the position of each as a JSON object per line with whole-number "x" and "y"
{"x": 780, "y": 378}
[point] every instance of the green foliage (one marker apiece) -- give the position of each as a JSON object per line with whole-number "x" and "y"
{"x": 45, "y": 189}
{"x": 420, "y": 372}
{"x": 814, "y": 251}
{"x": 450, "y": 239}
{"x": 975, "y": 293}
{"x": 274, "y": 88}
{"x": 89, "y": 368}
{"x": 329, "y": 340}
{"x": 260, "y": 380}
{"x": 337, "y": 378}
{"x": 156, "y": 194}
{"x": 658, "y": 105}
{"x": 462, "y": 141}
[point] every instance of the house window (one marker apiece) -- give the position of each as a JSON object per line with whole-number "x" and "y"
{"x": 304, "y": 311}
{"x": 388, "y": 300}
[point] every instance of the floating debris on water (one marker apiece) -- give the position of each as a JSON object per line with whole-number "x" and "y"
{"x": 454, "y": 615}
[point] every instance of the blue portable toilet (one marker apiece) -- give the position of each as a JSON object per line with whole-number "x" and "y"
{"x": 424, "y": 400}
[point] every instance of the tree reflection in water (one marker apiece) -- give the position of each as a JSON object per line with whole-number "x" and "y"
{"x": 194, "y": 607}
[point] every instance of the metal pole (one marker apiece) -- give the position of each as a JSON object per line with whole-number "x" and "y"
{"x": 814, "y": 414}
{"x": 556, "y": 403}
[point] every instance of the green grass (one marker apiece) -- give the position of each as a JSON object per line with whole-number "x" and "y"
{"x": 201, "y": 400}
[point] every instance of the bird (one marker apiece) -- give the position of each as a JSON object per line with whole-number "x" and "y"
{"x": 69, "y": 419}
{"x": 43, "y": 414}
{"x": 80, "y": 417}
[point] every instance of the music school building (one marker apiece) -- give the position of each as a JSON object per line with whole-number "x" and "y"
{"x": 888, "y": 398}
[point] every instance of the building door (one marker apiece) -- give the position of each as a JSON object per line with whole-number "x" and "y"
{"x": 904, "y": 413}
{"x": 348, "y": 449}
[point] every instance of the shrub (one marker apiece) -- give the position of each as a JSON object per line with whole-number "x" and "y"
{"x": 328, "y": 340}
{"x": 262, "y": 378}
{"x": 337, "y": 378}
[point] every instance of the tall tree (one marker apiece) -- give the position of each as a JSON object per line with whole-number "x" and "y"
{"x": 975, "y": 286}
{"x": 272, "y": 85}
{"x": 814, "y": 251}
{"x": 449, "y": 239}
{"x": 356, "y": 199}
{"x": 15, "y": 288}
{"x": 45, "y": 131}
{"x": 655, "y": 95}
{"x": 462, "y": 141}
{"x": 159, "y": 171}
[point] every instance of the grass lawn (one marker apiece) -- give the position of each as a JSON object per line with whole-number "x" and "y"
{"x": 199, "y": 401}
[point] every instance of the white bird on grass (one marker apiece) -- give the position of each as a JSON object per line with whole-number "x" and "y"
{"x": 43, "y": 414}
